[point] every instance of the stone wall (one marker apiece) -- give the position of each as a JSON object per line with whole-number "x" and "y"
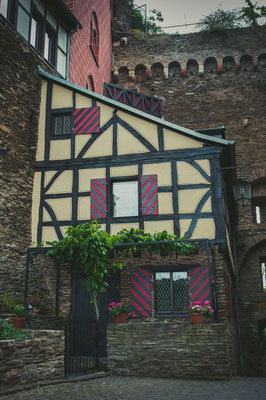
{"x": 208, "y": 80}
{"x": 146, "y": 260}
{"x": 52, "y": 284}
{"x": 25, "y": 362}
{"x": 19, "y": 113}
{"x": 170, "y": 349}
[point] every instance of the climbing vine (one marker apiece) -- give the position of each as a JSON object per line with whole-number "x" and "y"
{"x": 87, "y": 246}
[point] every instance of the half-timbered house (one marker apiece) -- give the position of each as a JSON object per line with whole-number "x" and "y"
{"x": 98, "y": 158}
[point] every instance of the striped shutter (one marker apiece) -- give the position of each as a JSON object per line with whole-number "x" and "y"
{"x": 86, "y": 120}
{"x": 200, "y": 284}
{"x": 98, "y": 198}
{"x": 149, "y": 195}
{"x": 141, "y": 292}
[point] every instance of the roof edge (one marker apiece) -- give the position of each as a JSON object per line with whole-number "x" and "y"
{"x": 185, "y": 131}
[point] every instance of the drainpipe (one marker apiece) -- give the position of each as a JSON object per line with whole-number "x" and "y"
{"x": 68, "y": 47}
{"x": 236, "y": 300}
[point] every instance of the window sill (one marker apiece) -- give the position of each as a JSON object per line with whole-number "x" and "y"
{"x": 60, "y": 137}
{"x": 181, "y": 314}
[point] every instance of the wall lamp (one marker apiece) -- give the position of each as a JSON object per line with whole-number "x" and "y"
{"x": 242, "y": 191}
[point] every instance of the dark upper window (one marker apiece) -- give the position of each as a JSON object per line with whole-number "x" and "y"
{"x": 90, "y": 83}
{"x": 259, "y": 211}
{"x": 94, "y": 38}
{"x": 263, "y": 274}
{"x": 171, "y": 292}
{"x": 62, "y": 124}
{"x": 39, "y": 26}
{"x": 7, "y": 9}
{"x": 125, "y": 198}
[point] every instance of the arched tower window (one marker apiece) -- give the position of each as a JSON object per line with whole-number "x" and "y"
{"x": 123, "y": 74}
{"x": 228, "y": 63}
{"x": 90, "y": 83}
{"x": 210, "y": 65}
{"x": 94, "y": 38}
{"x": 262, "y": 60}
{"x": 157, "y": 70}
{"x": 246, "y": 63}
{"x": 140, "y": 73}
{"x": 174, "y": 69}
{"x": 192, "y": 67}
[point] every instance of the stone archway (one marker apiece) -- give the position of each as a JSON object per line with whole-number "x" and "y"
{"x": 252, "y": 308}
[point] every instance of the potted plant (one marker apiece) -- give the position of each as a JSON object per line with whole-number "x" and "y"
{"x": 19, "y": 320}
{"x": 198, "y": 310}
{"x": 119, "y": 311}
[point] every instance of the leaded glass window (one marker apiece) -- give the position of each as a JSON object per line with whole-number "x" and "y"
{"x": 171, "y": 292}
{"x": 62, "y": 124}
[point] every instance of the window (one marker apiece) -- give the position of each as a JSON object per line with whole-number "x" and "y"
{"x": 40, "y": 28}
{"x": 171, "y": 292}
{"x": 36, "y": 32}
{"x": 61, "y": 125}
{"x": 125, "y": 198}
{"x": 259, "y": 212}
{"x": 94, "y": 38}
{"x": 263, "y": 274}
{"x": 49, "y": 45}
{"x": 7, "y": 9}
{"x": 90, "y": 83}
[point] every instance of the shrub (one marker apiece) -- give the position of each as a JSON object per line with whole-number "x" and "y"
{"x": 9, "y": 332}
{"x": 220, "y": 20}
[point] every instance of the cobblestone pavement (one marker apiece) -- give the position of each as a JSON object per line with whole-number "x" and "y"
{"x": 124, "y": 388}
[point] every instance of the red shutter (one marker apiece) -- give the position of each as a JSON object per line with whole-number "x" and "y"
{"x": 98, "y": 198}
{"x": 200, "y": 284}
{"x": 141, "y": 293}
{"x": 86, "y": 120}
{"x": 149, "y": 195}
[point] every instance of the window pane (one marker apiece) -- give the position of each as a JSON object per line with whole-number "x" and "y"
{"x": 62, "y": 125}
{"x": 23, "y": 23}
{"x": 263, "y": 276}
{"x": 33, "y": 33}
{"x": 125, "y": 198}
{"x": 25, "y": 4}
{"x": 51, "y": 19}
{"x": 62, "y": 38}
{"x": 3, "y": 7}
{"x": 163, "y": 291}
{"x": 49, "y": 45}
{"x": 39, "y": 4}
{"x": 257, "y": 211}
{"x": 61, "y": 63}
{"x": 180, "y": 291}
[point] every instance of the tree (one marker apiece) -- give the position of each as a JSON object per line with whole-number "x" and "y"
{"x": 138, "y": 21}
{"x": 220, "y": 20}
{"x": 252, "y": 12}
{"x": 86, "y": 247}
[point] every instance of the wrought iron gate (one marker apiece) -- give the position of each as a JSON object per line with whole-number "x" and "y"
{"x": 80, "y": 352}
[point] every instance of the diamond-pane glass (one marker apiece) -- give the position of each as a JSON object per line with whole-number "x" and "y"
{"x": 163, "y": 290}
{"x": 180, "y": 291}
{"x": 62, "y": 125}
{"x": 171, "y": 292}
{"x": 58, "y": 126}
{"x": 67, "y": 125}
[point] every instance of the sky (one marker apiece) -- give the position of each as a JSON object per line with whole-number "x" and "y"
{"x": 177, "y": 12}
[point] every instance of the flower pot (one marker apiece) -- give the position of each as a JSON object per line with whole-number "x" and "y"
{"x": 196, "y": 318}
{"x": 19, "y": 322}
{"x": 120, "y": 318}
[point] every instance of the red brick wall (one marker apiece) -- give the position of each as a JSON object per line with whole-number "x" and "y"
{"x": 82, "y": 63}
